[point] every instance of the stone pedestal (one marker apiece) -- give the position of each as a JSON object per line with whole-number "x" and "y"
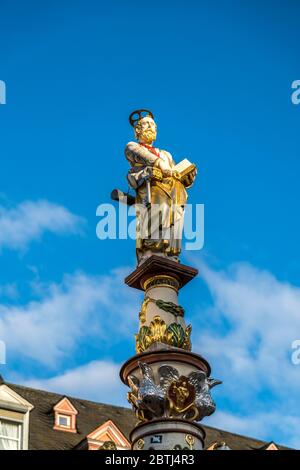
{"x": 169, "y": 434}
{"x": 170, "y": 385}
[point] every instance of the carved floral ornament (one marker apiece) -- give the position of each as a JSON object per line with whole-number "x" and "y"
{"x": 173, "y": 396}
{"x": 159, "y": 332}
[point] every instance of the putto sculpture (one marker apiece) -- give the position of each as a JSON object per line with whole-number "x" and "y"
{"x": 160, "y": 187}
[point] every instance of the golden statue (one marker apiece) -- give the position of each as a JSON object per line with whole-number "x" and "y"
{"x": 160, "y": 187}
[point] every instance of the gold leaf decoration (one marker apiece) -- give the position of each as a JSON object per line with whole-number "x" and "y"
{"x": 187, "y": 338}
{"x": 143, "y": 339}
{"x": 158, "y": 332}
{"x": 142, "y": 314}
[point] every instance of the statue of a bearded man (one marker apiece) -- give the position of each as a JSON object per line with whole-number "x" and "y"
{"x": 160, "y": 187}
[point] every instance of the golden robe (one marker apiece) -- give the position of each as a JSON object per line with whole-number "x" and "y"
{"x": 160, "y": 220}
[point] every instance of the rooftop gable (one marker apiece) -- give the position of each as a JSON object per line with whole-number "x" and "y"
{"x": 64, "y": 405}
{"x": 8, "y": 396}
{"x": 108, "y": 432}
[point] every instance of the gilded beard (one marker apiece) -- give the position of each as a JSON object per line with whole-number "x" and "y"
{"x": 147, "y": 136}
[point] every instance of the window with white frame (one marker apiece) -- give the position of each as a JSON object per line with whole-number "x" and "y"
{"x": 10, "y": 435}
{"x": 64, "y": 421}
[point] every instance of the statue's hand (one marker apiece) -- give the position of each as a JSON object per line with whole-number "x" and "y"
{"x": 157, "y": 174}
{"x": 167, "y": 172}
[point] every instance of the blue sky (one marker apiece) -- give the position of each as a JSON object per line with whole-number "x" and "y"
{"x": 217, "y": 76}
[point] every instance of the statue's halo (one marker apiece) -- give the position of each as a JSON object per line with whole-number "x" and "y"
{"x": 138, "y": 114}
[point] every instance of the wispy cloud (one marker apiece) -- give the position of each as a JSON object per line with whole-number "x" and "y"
{"x": 79, "y": 308}
{"x": 260, "y": 425}
{"x": 253, "y": 321}
{"x": 28, "y": 221}
{"x": 97, "y": 380}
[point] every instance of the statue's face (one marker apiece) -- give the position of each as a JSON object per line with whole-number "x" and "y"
{"x": 146, "y": 130}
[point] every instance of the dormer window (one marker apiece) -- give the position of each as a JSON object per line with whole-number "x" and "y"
{"x": 65, "y": 416}
{"x": 14, "y": 419}
{"x": 64, "y": 421}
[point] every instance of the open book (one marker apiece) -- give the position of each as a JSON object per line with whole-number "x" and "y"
{"x": 184, "y": 167}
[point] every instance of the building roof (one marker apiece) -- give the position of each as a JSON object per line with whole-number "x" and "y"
{"x": 91, "y": 415}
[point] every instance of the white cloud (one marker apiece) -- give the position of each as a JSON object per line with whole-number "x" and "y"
{"x": 97, "y": 380}
{"x": 253, "y": 321}
{"x": 30, "y": 219}
{"x": 81, "y": 307}
{"x": 258, "y": 425}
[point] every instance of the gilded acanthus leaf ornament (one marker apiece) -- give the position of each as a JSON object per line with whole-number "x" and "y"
{"x": 187, "y": 338}
{"x": 177, "y": 334}
{"x": 142, "y": 314}
{"x": 143, "y": 339}
{"x": 159, "y": 332}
